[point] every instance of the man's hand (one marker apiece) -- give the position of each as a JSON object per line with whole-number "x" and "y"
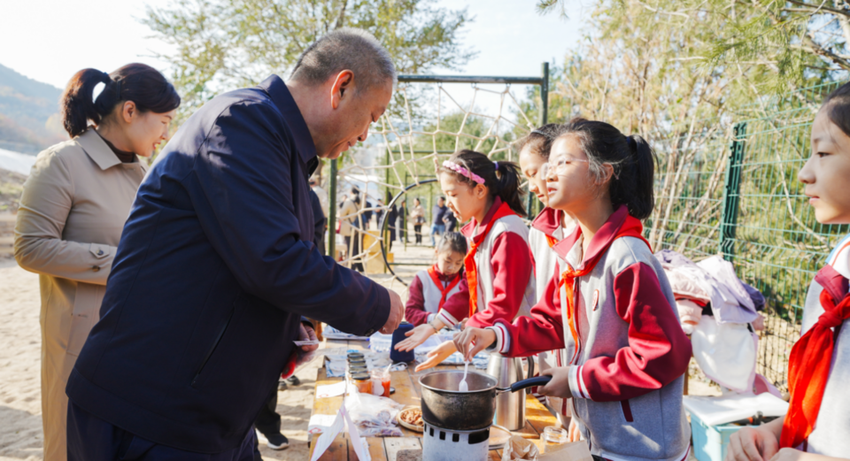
{"x": 396, "y": 313}
{"x": 559, "y": 386}
{"x": 471, "y": 341}
{"x": 306, "y": 353}
{"x": 752, "y": 444}
{"x": 416, "y": 337}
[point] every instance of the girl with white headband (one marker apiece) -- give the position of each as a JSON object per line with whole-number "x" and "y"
{"x": 499, "y": 282}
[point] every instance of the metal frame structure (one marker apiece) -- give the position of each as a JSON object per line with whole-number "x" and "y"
{"x": 542, "y": 81}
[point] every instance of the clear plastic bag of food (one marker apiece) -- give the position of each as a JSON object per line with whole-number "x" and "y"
{"x": 375, "y": 416}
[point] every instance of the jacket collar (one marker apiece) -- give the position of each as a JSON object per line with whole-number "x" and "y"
{"x": 570, "y": 248}
{"x": 549, "y": 221}
{"x": 100, "y": 153}
{"x": 469, "y": 228}
{"x": 285, "y": 103}
{"x": 833, "y": 282}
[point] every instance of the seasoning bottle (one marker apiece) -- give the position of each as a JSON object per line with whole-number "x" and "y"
{"x": 380, "y": 382}
{"x": 362, "y": 382}
{"x": 357, "y": 369}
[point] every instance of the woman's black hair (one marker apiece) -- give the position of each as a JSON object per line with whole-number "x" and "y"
{"x": 632, "y": 159}
{"x": 501, "y": 178}
{"x": 540, "y": 140}
{"x": 140, "y": 83}
{"x": 837, "y": 107}
{"x": 454, "y": 241}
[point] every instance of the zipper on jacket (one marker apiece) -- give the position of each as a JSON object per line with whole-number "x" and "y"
{"x": 214, "y": 346}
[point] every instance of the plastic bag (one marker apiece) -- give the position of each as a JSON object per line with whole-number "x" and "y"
{"x": 375, "y": 416}
{"x": 519, "y": 448}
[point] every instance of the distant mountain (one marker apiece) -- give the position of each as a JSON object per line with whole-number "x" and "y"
{"x": 29, "y": 113}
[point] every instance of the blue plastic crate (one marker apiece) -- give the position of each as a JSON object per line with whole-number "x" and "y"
{"x": 710, "y": 442}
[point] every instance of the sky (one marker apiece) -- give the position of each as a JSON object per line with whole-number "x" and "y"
{"x": 60, "y": 37}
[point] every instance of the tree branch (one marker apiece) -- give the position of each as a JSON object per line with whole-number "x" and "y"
{"x": 817, "y": 8}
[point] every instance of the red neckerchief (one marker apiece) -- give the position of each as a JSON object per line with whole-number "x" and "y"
{"x": 469, "y": 259}
{"x": 631, "y": 228}
{"x": 444, "y": 291}
{"x": 808, "y": 365}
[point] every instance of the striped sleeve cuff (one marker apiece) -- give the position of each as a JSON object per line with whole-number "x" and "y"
{"x": 577, "y": 387}
{"x": 503, "y": 339}
{"x": 447, "y": 318}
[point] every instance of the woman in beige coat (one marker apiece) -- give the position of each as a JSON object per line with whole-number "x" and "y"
{"x": 73, "y": 208}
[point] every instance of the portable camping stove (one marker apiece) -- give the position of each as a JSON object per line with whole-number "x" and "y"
{"x": 439, "y": 444}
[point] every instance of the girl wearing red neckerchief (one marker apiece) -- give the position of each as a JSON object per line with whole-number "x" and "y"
{"x": 431, "y": 288}
{"x": 817, "y": 425}
{"x": 499, "y": 273}
{"x": 547, "y": 229}
{"x": 626, "y": 375}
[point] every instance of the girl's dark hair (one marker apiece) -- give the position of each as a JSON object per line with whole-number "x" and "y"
{"x": 837, "y": 107}
{"x": 630, "y": 156}
{"x": 454, "y": 241}
{"x": 139, "y": 83}
{"x": 501, "y": 178}
{"x": 540, "y": 140}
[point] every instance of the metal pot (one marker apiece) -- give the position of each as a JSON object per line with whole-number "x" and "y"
{"x": 445, "y": 407}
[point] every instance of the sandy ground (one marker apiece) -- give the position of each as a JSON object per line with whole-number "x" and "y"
{"x": 20, "y": 401}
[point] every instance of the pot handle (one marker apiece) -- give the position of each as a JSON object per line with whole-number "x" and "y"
{"x": 530, "y": 382}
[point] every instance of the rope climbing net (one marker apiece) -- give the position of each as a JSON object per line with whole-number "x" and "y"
{"x": 423, "y": 126}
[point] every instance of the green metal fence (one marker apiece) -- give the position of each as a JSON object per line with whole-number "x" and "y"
{"x": 758, "y": 218}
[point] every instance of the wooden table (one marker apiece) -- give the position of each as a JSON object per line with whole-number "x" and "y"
{"x": 406, "y": 384}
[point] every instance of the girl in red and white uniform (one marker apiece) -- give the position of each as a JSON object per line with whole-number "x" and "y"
{"x": 499, "y": 280}
{"x": 431, "y": 288}
{"x": 547, "y": 229}
{"x": 626, "y": 376}
{"x": 817, "y": 425}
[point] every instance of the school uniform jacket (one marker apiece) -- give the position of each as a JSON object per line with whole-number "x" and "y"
{"x": 627, "y": 373}
{"x": 831, "y": 435}
{"x": 424, "y": 296}
{"x": 505, "y": 273}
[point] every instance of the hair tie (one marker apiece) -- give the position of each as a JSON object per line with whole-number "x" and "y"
{"x": 496, "y": 164}
{"x": 632, "y": 143}
{"x": 112, "y": 88}
{"x": 457, "y": 168}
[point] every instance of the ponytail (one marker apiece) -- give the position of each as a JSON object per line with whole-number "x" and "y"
{"x": 140, "y": 83}
{"x": 78, "y": 103}
{"x": 502, "y": 179}
{"x": 634, "y": 187}
{"x": 631, "y": 158}
{"x": 508, "y": 175}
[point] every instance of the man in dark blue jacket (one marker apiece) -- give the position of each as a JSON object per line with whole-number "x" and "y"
{"x": 216, "y": 269}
